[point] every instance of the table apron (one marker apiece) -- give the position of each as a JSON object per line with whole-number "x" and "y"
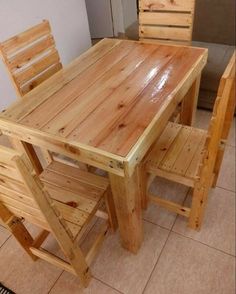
{"x": 92, "y": 156}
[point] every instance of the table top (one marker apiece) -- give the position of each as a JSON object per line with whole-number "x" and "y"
{"x": 106, "y": 99}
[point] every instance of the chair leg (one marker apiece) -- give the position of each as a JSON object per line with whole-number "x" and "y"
{"x": 199, "y": 201}
{"x": 18, "y": 230}
{"x": 110, "y": 206}
{"x": 218, "y": 163}
{"x": 77, "y": 260}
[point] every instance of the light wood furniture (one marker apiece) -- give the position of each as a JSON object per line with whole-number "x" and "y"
{"x": 192, "y": 156}
{"x": 166, "y": 20}
{"x": 106, "y": 109}
{"x": 62, "y": 201}
{"x": 31, "y": 57}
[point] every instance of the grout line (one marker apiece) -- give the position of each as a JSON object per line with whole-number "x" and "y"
{"x": 225, "y": 189}
{"x": 144, "y": 289}
{"x": 169, "y": 233}
{"x": 171, "y": 228}
{"x": 55, "y": 282}
{"x": 155, "y": 224}
{"x": 95, "y": 278}
{"x": 5, "y": 241}
{"x": 209, "y": 246}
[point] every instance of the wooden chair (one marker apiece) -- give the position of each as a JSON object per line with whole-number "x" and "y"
{"x": 166, "y": 21}
{"x": 63, "y": 200}
{"x": 31, "y": 58}
{"x": 192, "y": 156}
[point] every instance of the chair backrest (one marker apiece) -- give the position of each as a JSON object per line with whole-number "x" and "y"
{"x": 23, "y": 194}
{"x": 31, "y": 57}
{"x": 166, "y": 20}
{"x": 222, "y": 117}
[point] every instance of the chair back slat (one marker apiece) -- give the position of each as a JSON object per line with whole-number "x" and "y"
{"x": 222, "y": 117}
{"x": 13, "y": 192}
{"x": 22, "y": 192}
{"x": 166, "y": 20}
{"x": 23, "y": 39}
{"x": 31, "y": 57}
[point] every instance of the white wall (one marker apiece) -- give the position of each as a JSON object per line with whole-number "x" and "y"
{"x": 69, "y": 22}
{"x": 130, "y": 12}
{"x": 118, "y": 16}
{"x": 124, "y": 14}
{"x": 100, "y": 18}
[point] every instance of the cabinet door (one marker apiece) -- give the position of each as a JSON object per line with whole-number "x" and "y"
{"x": 100, "y": 18}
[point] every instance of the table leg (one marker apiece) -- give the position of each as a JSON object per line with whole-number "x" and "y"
{"x": 127, "y": 201}
{"x": 189, "y": 104}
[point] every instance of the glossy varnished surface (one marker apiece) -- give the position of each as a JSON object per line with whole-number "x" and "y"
{"x": 109, "y": 96}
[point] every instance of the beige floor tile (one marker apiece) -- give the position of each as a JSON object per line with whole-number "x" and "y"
{"x": 232, "y": 137}
{"x": 68, "y": 284}
{"x": 202, "y": 119}
{"x": 4, "y": 235}
{"x": 218, "y": 229}
{"x": 125, "y": 271}
{"x": 227, "y": 171}
{"x": 21, "y": 274}
{"x": 187, "y": 266}
{"x": 167, "y": 190}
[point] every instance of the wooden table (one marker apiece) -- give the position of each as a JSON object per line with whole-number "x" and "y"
{"x": 106, "y": 109}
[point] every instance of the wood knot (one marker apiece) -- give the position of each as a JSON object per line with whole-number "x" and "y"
{"x": 121, "y": 126}
{"x": 120, "y": 105}
{"x": 61, "y": 130}
{"x": 163, "y": 149}
{"x": 72, "y": 204}
{"x": 71, "y": 149}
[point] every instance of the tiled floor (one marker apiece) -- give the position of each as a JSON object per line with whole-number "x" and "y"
{"x": 172, "y": 260}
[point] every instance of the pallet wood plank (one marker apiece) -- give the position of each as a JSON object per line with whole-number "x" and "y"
{"x": 177, "y": 5}
{"x": 79, "y": 175}
{"x": 25, "y": 38}
{"x": 112, "y": 109}
{"x": 71, "y": 91}
{"x": 24, "y": 57}
{"x": 152, "y": 99}
{"x": 175, "y": 149}
{"x": 163, "y": 144}
{"x": 76, "y": 112}
{"x": 71, "y": 184}
{"x": 167, "y": 18}
{"x": 192, "y": 170}
{"x": 36, "y": 68}
{"x": 60, "y": 79}
{"x": 165, "y": 33}
{"x": 188, "y": 151}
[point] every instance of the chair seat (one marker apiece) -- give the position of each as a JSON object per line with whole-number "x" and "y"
{"x": 177, "y": 153}
{"x": 77, "y": 194}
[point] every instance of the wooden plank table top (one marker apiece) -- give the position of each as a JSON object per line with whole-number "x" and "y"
{"x": 108, "y": 106}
